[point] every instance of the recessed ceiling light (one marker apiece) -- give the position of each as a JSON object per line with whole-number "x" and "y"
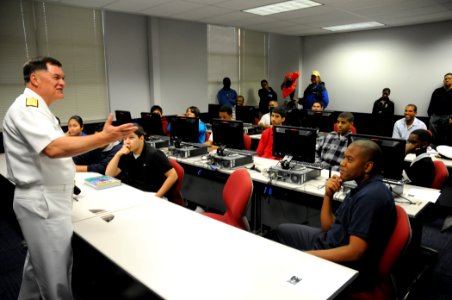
{"x": 281, "y": 7}
{"x": 354, "y": 26}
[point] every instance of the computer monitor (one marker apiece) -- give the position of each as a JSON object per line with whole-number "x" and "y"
{"x": 294, "y": 117}
{"x": 323, "y": 120}
{"x": 184, "y": 128}
{"x": 123, "y": 116}
{"x": 299, "y": 142}
{"x": 228, "y": 133}
{"x": 247, "y": 114}
{"x": 152, "y": 123}
{"x": 393, "y": 154}
{"x": 213, "y": 111}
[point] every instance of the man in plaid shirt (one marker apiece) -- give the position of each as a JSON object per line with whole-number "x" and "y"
{"x": 330, "y": 148}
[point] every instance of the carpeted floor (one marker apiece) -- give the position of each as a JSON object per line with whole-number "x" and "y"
{"x": 437, "y": 284}
{"x": 12, "y": 257}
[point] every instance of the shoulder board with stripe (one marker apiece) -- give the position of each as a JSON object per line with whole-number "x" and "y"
{"x": 31, "y": 102}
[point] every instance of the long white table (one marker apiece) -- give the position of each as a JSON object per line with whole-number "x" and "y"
{"x": 91, "y": 202}
{"x": 218, "y": 261}
{"x": 434, "y": 156}
{"x": 414, "y": 199}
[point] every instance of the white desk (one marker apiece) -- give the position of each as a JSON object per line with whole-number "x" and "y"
{"x": 218, "y": 261}
{"x": 316, "y": 187}
{"x": 104, "y": 201}
{"x": 434, "y": 156}
{"x": 419, "y": 196}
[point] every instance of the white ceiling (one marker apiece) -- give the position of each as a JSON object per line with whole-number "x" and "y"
{"x": 299, "y": 23}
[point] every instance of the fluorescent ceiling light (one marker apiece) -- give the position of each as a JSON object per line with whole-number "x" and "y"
{"x": 281, "y": 7}
{"x": 354, "y": 26}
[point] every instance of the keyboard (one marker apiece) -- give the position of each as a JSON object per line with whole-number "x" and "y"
{"x": 243, "y": 152}
{"x": 196, "y": 145}
{"x": 395, "y": 181}
{"x": 157, "y": 138}
{"x": 314, "y": 165}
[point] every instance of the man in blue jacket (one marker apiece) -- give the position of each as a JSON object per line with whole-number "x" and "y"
{"x": 316, "y": 91}
{"x": 227, "y": 96}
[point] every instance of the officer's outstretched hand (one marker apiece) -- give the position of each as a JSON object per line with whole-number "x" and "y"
{"x": 118, "y": 132}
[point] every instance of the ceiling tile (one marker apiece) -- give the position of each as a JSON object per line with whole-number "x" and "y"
{"x": 307, "y": 21}
{"x": 133, "y": 5}
{"x": 169, "y": 9}
{"x": 87, "y": 3}
{"x": 202, "y": 13}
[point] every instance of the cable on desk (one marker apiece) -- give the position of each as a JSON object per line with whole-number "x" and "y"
{"x": 401, "y": 196}
{"x": 213, "y": 167}
{"x": 253, "y": 168}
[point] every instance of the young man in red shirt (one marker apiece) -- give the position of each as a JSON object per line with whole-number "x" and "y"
{"x": 265, "y": 147}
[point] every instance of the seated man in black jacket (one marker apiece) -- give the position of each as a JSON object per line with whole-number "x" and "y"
{"x": 421, "y": 171}
{"x": 96, "y": 160}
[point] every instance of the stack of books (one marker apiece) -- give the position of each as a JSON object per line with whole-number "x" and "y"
{"x": 102, "y": 182}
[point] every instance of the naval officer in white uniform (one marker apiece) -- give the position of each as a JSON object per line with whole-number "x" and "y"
{"x": 38, "y": 156}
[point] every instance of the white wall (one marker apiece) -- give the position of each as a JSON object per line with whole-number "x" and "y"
{"x": 283, "y": 57}
{"x": 179, "y": 64}
{"x": 356, "y": 66}
{"x": 126, "y": 54}
{"x": 163, "y": 61}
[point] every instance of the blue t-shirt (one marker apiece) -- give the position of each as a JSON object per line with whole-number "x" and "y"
{"x": 227, "y": 97}
{"x": 201, "y": 131}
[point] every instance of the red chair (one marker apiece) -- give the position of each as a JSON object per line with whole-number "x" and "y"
{"x": 353, "y": 128}
{"x": 236, "y": 193}
{"x": 441, "y": 174}
{"x": 174, "y": 194}
{"x": 246, "y": 142}
{"x": 398, "y": 242}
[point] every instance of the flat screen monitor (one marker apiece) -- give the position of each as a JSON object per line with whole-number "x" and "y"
{"x": 393, "y": 154}
{"x": 228, "y": 133}
{"x": 184, "y": 128}
{"x": 324, "y": 120}
{"x": 213, "y": 111}
{"x": 299, "y": 142}
{"x": 123, "y": 116}
{"x": 293, "y": 117}
{"x": 152, "y": 123}
{"x": 247, "y": 114}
